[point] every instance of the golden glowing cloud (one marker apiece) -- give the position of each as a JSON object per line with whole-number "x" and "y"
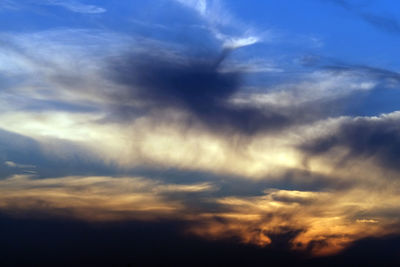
{"x": 324, "y": 222}
{"x": 356, "y": 199}
{"x": 95, "y": 198}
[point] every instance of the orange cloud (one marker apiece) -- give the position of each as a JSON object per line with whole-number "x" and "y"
{"x": 323, "y": 222}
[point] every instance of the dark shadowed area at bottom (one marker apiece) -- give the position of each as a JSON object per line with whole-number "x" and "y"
{"x": 56, "y": 241}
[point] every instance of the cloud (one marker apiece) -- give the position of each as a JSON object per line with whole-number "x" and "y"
{"x": 9, "y": 5}
{"x": 194, "y": 85}
{"x": 364, "y": 137}
{"x": 378, "y": 75}
{"x": 323, "y": 85}
{"x": 387, "y": 24}
{"x": 198, "y": 5}
{"x": 235, "y": 42}
{"x": 210, "y": 89}
{"x": 71, "y": 5}
{"x": 383, "y": 76}
{"x": 12, "y": 164}
{"x": 75, "y": 6}
{"x": 97, "y": 198}
{"x": 42, "y": 69}
{"x": 133, "y": 242}
{"x": 217, "y": 17}
{"x": 166, "y": 102}
{"x": 96, "y": 105}
{"x": 384, "y": 23}
{"x": 322, "y": 223}
{"x": 130, "y": 242}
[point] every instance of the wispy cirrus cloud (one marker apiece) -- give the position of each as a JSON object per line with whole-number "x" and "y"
{"x": 385, "y": 23}
{"x": 75, "y": 6}
{"x": 322, "y": 223}
{"x": 94, "y": 99}
{"x": 9, "y": 5}
{"x": 217, "y": 17}
{"x": 106, "y": 198}
{"x": 156, "y": 95}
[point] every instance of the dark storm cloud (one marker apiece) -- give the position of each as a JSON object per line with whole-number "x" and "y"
{"x": 366, "y": 138}
{"x": 384, "y": 23}
{"x": 198, "y": 86}
{"x": 55, "y": 241}
{"x": 201, "y": 86}
{"x": 371, "y": 251}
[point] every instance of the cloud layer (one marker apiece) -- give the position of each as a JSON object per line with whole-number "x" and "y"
{"x": 100, "y": 125}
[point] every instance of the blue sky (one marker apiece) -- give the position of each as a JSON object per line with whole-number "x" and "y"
{"x": 324, "y": 28}
{"x": 224, "y": 112}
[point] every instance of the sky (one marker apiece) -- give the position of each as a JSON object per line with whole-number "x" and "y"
{"x": 266, "y": 129}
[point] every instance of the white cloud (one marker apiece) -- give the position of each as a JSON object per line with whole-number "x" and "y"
{"x": 198, "y": 5}
{"x": 237, "y": 42}
{"x": 216, "y": 15}
{"x": 76, "y": 6}
{"x": 9, "y": 4}
{"x": 312, "y": 87}
{"x": 12, "y": 164}
{"x": 72, "y": 73}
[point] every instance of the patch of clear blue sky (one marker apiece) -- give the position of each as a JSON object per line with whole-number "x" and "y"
{"x": 344, "y": 33}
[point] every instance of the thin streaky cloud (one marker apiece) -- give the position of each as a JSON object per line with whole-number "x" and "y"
{"x": 125, "y": 117}
{"x": 215, "y": 14}
{"x": 385, "y": 23}
{"x": 76, "y": 6}
{"x": 9, "y": 5}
